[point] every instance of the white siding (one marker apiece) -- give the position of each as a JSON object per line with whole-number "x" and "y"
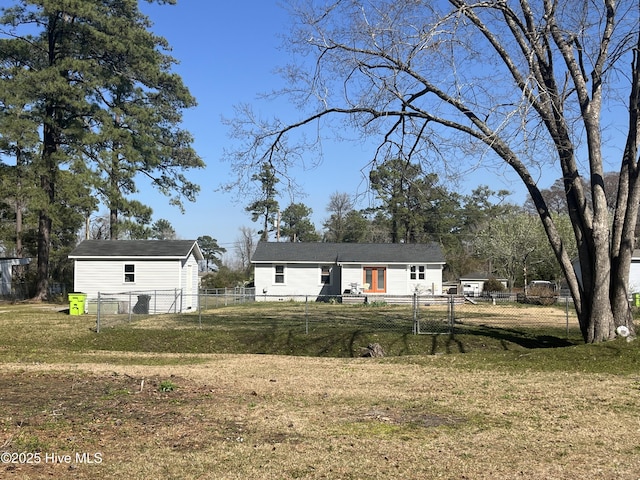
{"x": 433, "y": 281}
{"x": 398, "y": 279}
{"x": 189, "y": 285}
{"x": 634, "y": 276}
{"x": 351, "y": 274}
{"x": 93, "y": 276}
{"x": 159, "y": 278}
{"x": 300, "y": 280}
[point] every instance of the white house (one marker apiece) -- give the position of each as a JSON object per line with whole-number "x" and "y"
{"x": 634, "y": 273}
{"x": 154, "y": 275}
{"x": 289, "y": 270}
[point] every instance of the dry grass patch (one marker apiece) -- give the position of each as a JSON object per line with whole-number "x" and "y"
{"x": 516, "y": 315}
{"x": 289, "y": 417}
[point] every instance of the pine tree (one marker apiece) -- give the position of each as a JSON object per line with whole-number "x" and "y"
{"x": 102, "y": 102}
{"x": 266, "y": 206}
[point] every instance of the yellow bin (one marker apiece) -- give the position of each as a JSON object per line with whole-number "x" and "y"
{"x": 76, "y": 303}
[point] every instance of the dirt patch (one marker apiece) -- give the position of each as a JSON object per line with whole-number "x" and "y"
{"x": 395, "y": 417}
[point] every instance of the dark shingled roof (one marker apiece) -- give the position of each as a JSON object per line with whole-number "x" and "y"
{"x": 347, "y": 252}
{"x": 136, "y": 248}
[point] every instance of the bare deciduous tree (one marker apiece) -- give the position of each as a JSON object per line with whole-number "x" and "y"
{"x": 340, "y": 204}
{"x": 244, "y": 247}
{"x": 510, "y": 84}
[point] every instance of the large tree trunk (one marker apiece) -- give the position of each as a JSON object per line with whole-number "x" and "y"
{"x": 19, "y": 202}
{"x": 47, "y": 171}
{"x": 590, "y": 282}
{"x": 44, "y": 246}
{"x": 597, "y": 323}
{"x": 47, "y": 183}
{"x": 623, "y": 240}
{"x": 113, "y": 224}
{"x": 627, "y": 206}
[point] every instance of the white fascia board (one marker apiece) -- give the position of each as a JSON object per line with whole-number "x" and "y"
{"x": 297, "y": 262}
{"x": 115, "y": 257}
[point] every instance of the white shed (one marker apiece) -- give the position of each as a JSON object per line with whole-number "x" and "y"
{"x": 166, "y": 270}
{"x": 7, "y": 276}
{"x": 472, "y": 284}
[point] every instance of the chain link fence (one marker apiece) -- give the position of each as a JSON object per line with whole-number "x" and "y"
{"x": 115, "y": 308}
{"x": 412, "y": 314}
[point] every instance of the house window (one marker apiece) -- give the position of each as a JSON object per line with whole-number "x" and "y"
{"x": 279, "y": 274}
{"x": 325, "y": 274}
{"x": 417, "y": 272}
{"x": 129, "y": 273}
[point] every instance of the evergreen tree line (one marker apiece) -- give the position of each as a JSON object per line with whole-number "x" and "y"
{"x": 481, "y": 232}
{"x": 89, "y": 108}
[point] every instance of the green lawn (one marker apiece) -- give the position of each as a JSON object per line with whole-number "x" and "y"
{"x": 190, "y": 396}
{"x": 39, "y": 333}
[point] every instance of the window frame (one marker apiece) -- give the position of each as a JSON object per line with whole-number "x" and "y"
{"x": 279, "y": 274}
{"x": 417, "y": 272}
{"x": 325, "y": 278}
{"x": 129, "y": 274}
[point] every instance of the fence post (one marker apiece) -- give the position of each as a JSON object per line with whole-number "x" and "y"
{"x": 98, "y": 315}
{"x": 306, "y": 314}
{"x": 452, "y": 313}
{"x": 130, "y": 309}
{"x": 416, "y": 329}
{"x": 566, "y": 312}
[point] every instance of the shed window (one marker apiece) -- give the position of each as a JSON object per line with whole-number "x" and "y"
{"x": 279, "y": 274}
{"x": 129, "y": 273}
{"x": 325, "y": 274}
{"x": 417, "y": 272}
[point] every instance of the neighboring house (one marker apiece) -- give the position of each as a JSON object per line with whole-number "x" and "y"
{"x": 473, "y": 283}
{"x": 7, "y": 276}
{"x": 167, "y": 270}
{"x": 285, "y": 270}
{"x": 634, "y": 273}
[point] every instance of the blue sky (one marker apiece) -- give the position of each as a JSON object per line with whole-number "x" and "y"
{"x": 228, "y": 52}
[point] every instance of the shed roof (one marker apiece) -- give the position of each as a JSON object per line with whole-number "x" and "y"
{"x": 299, "y": 252}
{"x": 166, "y": 249}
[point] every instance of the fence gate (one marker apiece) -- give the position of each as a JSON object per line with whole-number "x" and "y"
{"x": 434, "y": 317}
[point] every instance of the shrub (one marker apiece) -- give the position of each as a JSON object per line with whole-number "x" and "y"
{"x": 493, "y": 285}
{"x": 541, "y": 295}
{"x": 167, "y": 386}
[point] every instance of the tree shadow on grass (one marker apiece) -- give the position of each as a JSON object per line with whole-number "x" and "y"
{"x": 470, "y": 338}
